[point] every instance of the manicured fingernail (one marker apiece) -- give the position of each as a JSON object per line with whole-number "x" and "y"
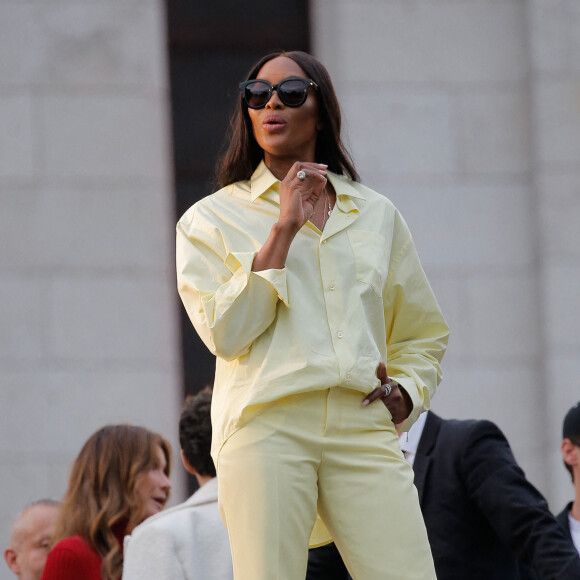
{"x": 365, "y": 403}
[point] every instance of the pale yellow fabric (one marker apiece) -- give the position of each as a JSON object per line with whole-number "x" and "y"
{"x": 321, "y": 451}
{"x": 347, "y": 299}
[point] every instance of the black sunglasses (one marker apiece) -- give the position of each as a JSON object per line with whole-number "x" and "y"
{"x": 292, "y": 91}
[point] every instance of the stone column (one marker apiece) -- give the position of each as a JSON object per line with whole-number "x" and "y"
{"x": 554, "y": 32}
{"x": 89, "y": 325}
{"x": 448, "y": 115}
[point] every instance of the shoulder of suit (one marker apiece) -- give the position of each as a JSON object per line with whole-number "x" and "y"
{"x": 563, "y": 515}
{"x": 467, "y": 430}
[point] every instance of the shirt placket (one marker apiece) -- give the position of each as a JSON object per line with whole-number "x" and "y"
{"x": 331, "y": 251}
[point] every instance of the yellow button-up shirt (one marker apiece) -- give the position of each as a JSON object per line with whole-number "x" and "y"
{"x": 348, "y": 297}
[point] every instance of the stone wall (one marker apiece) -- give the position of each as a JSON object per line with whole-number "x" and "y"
{"x": 466, "y": 113}
{"x": 554, "y": 28}
{"x": 89, "y": 331}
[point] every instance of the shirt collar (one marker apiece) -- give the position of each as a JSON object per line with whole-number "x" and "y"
{"x": 410, "y": 441}
{"x": 346, "y": 193}
{"x": 263, "y": 179}
{"x": 207, "y": 493}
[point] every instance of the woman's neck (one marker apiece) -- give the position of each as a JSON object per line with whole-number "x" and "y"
{"x": 280, "y": 166}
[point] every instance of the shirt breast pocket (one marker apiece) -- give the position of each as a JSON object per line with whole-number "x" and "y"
{"x": 370, "y": 257}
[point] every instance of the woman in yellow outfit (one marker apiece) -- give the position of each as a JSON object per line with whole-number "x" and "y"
{"x": 307, "y": 287}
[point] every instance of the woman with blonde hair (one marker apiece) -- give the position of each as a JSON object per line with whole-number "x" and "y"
{"x": 120, "y": 478}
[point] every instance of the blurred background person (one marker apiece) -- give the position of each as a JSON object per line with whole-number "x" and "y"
{"x": 120, "y": 477}
{"x": 188, "y": 541}
{"x": 569, "y": 517}
{"x": 31, "y": 538}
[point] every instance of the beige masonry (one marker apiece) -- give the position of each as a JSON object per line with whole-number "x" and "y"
{"x": 465, "y": 113}
{"x": 89, "y": 313}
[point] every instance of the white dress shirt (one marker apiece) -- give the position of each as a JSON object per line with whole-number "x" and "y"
{"x": 410, "y": 441}
{"x": 575, "y": 531}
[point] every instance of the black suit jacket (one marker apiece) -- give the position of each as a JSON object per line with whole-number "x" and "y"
{"x": 481, "y": 513}
{"x": 562, "y": 519}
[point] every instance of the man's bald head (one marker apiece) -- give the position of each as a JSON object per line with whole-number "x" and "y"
{"x": 30, "y": 539}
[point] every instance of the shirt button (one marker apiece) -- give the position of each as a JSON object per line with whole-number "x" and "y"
{"x": 324, "y": 241}
{"x": 348, "y": 378}
{"x": 339, "y": 334}
{"x": 332, "y": 286}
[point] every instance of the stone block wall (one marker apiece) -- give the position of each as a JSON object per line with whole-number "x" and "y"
{"x": 554, "y": 27}
{"x": 89, "y": 314}
{"x": 466, "y": 115}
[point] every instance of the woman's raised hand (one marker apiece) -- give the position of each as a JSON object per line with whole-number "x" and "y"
{"x": 299, "y": 192}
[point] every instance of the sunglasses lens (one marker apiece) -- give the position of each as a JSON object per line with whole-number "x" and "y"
{"x": 257, "y": 94}
{"x": 293, "y": 92}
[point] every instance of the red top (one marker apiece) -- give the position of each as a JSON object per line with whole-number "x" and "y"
{"x": 75, "y": 559}
{"x": 72, "y": 559}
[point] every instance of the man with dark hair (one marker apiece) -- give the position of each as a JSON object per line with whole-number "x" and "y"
{"x": 569, "y": 517}
{"x": 188, "y": 541}
{"x": 31, "y": 538}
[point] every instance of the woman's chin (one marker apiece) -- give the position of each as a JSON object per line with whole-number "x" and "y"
{"x": 153, "y": 508}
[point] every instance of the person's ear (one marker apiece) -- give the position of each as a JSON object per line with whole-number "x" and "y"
{"x": 570, "y": 452}
{"x": 12, "y": 560}
{"x": 187, "y": 465}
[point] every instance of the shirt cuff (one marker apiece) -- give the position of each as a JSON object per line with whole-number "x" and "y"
{"x": 420, "y": 403}
{"x": 276, "y": 277}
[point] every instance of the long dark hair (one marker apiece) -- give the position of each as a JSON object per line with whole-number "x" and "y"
{"x": 242, "y": 152}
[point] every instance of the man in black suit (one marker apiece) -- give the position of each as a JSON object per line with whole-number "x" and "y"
{"x": 482, "y": 515}
{"x": 569, "y": 517}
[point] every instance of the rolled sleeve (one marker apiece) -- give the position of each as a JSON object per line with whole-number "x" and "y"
{"x": 233, "y": 306}
{"x": 276, "y": 277}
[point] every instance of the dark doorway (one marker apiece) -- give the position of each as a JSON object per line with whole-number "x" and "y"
{"x": 211, "y": 47}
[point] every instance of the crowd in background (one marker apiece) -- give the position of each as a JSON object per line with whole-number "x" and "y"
{"x": 486, "y": 521}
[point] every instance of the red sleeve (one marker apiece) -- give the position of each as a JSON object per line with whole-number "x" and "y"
{"x": 72, "y": 560}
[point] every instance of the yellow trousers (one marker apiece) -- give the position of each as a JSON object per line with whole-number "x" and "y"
{"x": 322, "y": 452}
